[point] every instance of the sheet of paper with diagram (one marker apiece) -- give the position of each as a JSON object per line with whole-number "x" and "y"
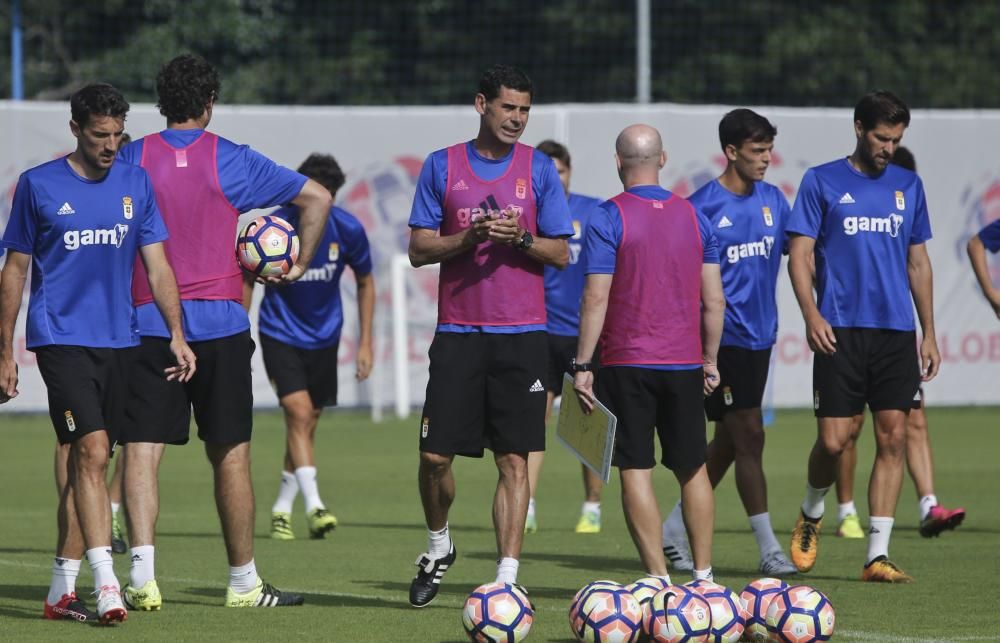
{"x": 591, "y": 438}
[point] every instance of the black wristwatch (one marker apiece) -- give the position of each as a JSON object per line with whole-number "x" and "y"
{"x": 525, "y": 241}
{"x": 580, "y": 367}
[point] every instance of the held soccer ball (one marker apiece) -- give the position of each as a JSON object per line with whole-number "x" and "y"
{"x": 677, "y": 615}
{"x": 575, "y": 618}
{"x": 608, "y": 615}
{"x": 756, "y": 597}
{"x": 729, "y": 613}
{"x": 497, "y": 613}
{"x": 644, "y": 588}
{"x": 267, "y": 247}
{"x": 800, "y": 614}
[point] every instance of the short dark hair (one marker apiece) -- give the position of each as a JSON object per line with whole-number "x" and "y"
{"x": 323, "y": 169}
{"x": 507, "y": 76}
{"x": 742, "y": 125}
{"x": 97, "y": 99}
{"x": 554, "y": 150}
{"x": 185, "y": 85}
{"x": 881, "y": 107}
{"x": 904, "y": 158}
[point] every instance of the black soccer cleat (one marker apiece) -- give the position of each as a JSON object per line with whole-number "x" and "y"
{"x": 430, "y": 571}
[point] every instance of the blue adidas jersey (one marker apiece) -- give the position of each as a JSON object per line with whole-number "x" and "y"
{"x": 751, "y": 233}
{"x": 249, "y": 180}
{"x": 564, "y": 288}
{"x": 550, "y": 200}
{"x": 990, "y": 236}
{"x": 864, "y": 227}
{"x": 308, "y": 313}
{"x": 83, "y": 236}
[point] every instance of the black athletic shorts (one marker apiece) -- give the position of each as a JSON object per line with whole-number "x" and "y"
{"x": 86, "y": 388}
{"x": 562, "y": 350}
{"x": 646, "y": 400}
{"x": 742, "y": 378}
{"x": 291, "y": 369}
{"x": 872, "y": 365}
{"x": 221, "y": 393}
{"x": 485, "y": 392}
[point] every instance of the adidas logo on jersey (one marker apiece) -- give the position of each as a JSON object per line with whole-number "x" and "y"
{"x": 890, "y": 224}
{"x": 536, "y": 387}
{"x": 760, "y": 248}
{"x": 461, "y": 185}
{"x": 847, "y": 198}
{"x": 73, "y": 239}
{"x": 65, "y": 209}
{"x": 724, "y": 222}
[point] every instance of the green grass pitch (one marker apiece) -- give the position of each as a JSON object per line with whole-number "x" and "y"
{"x": 355, "y": 582}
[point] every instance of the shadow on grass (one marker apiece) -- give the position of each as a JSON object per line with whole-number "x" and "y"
{"x": 331, "y": 599}
{"x": 419, "y": 526}
{"x": 26, "y": 550}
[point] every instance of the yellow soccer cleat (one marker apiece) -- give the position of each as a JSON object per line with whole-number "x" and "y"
{"x": 589, "y": 523}
{"x": 883, "y": 570}
{"x": 850, "y": 527}
{"x": 281, "y": 526}
{"x": 263, "y": 595}
{"x": 805, "y": 542}
{"x": 320, "y": 522}
{"x": 146, "y": 598}
{"x": 530, "y": 524}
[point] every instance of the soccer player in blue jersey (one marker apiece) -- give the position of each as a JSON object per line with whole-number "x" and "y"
{"x": 654, "y": 300}
{"x": 299, "y": 327}
{"x": 563, "y": 289}
{"x": 987, "y": 239}
{"x": 748, "y": 217}
{"x": 492, "y": 212}
{"x": 863, "y": 223}
{"x": 81, "y": 221}
{"x": 203, "y": 182}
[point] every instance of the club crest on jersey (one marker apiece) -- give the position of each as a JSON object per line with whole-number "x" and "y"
{"x": 576, "y": 229}
{"x": 70, "y": 422}
{"x": 333, "y": 253}
{"x": 521, "y": 188}
{"x": 900, "y": 202}
{"x": 768, "y": 219}
{"x": 127, "y": 207}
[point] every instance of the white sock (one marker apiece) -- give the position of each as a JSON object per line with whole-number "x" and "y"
{"x": 438, "y": 543}
{"x": 845, "y": 509}
{"x": 287, "y": 492}
{"x": 143, "y": 567}
{"x": 306, "y": 477}
{"x": 243, "y": 578}
{"x": 507, "y": 570}
{"x": 102, "y": 566}
{"x": 673, "y": 526}
{"x": 531, "y": 506}
{"x": 594, "y": 507}
{"x": 879, "y": 530}
{"x": 764, "y": 533}
{"x": 665, "y": 577}
{"x": 115, "y": 506}
{"x": 814, "y": 504}
{"x": 926, "y": 503}
{"x": 64, "y": 573}
{"x": 703, "y": 574}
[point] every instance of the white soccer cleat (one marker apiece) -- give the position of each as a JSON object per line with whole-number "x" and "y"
{"x": 677, "y": 553}
{"x": 110, "y": 608}
{"x": 776, "y": 565}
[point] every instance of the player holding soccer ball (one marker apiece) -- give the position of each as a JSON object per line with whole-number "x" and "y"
{"x": 83, "y": 220}
{"x": 300, "y": 328}
{"x": 202, "y": 183}
{"x": 748, "y": 216}
{"x": 863, "y": 223}
{"x": 654, "y": 299}
{"x": 492, "y": 212}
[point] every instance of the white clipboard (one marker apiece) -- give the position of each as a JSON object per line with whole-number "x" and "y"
{"x": 591, "y": 438}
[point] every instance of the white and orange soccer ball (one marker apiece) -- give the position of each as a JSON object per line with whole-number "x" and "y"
{"x": 646, "y": 587}
{"x": 267, "y": 247}
{"x": 729, "y": 613}
{"x": 800, "y": 614}
{"x": 575, "y": 619}
{"x": 497, "y": 613}
{"x": 756, "y": 597}
{"x": 607, "y": 614}
{"x": 677, "y": 614}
